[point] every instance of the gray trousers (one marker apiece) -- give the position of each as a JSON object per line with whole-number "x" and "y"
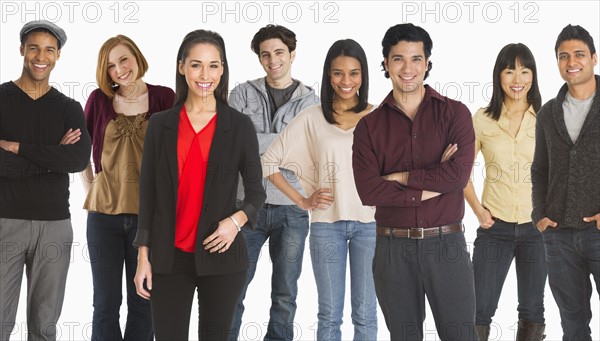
{"x": 406, "y": 270}
{"x": 44, "y": 247}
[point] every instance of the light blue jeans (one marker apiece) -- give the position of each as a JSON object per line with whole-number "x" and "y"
{"x": 330, "y": 244}
{"x": 286, "y": 227}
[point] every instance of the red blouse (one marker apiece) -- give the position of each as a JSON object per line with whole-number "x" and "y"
{"x": 192, "y": 158}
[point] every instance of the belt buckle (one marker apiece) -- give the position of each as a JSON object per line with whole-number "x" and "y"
{"x": 420, "y": 233}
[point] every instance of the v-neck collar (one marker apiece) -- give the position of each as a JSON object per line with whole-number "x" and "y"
{"x": 26, "y": 95}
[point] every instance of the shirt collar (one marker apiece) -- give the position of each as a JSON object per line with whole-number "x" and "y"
{"x": 429, "y": 93}
{"x": 530, "y": 110}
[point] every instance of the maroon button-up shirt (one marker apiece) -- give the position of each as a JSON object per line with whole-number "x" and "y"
{"x": 387, "y": 141}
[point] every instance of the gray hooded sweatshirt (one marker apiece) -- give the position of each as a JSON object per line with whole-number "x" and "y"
{"x": 251, "y": 98}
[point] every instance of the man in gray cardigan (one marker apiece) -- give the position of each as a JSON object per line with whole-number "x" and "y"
{"x": 566, "y": 184}
{"x": 272, "y": 102}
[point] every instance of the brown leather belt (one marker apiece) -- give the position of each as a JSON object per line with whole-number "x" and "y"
{"x": 418, "y": 233}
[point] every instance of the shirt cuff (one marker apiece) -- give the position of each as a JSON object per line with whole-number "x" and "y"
{"x": 413, "y": 197}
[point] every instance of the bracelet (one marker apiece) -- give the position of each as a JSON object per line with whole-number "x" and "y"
{"x": 236, "y": 223}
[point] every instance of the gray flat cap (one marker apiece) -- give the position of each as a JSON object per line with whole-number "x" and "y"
{"x": 58, "y": 32}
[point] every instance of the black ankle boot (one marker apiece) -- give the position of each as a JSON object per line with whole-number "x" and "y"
{"x": 530, "y": 331}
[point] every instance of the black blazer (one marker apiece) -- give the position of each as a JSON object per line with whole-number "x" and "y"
{"x": 233, "y": 152}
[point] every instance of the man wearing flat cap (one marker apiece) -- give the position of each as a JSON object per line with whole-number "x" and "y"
{"x": 42, "y": 139}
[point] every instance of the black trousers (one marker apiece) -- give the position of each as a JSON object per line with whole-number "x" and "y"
{"x": 172, "y": 297}
{"x": 407, "y": 270}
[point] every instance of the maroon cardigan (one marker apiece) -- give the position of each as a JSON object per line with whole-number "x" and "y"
{"x": 99, "y": 111}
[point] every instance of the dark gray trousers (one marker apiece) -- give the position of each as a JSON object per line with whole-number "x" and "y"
{"x": 43, "y": 248}
{"x": 407, "y": 270}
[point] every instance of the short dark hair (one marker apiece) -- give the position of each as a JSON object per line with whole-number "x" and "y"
{"x": 507, "y": 59}
{"x": 576, "y": 32}
{"x": 348, "y": 48}
{"x": 192, "y": 39}
{"x": 273, "y": 32}
{"x": 406, "y": 32}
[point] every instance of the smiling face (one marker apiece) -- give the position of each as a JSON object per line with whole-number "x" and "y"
{"x": 202, "y": 69}
{"x": 40, "y": 53}
{"x": 122, "y": 65}
{"x": 346, "y": 77}
{"x": 276, "y": 60}
{"x": 576, "y": 63}
{"x": 407, "y": 65}
{"x": 516, "y": 82}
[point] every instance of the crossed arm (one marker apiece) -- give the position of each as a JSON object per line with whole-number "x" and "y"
{"x": 15, "y": 166}
{"x": 402, "y": 177}
{"x": 409, "y": 189}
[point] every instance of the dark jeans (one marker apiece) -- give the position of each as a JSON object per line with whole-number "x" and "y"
{"x": 286, "y": 227}
{"x": 405, "y": 270}
{"x": 110, "y": 239}
{"x": 173, "y": 295}
{"x": 494, "y": 251}
{"x": 572, "y": 256}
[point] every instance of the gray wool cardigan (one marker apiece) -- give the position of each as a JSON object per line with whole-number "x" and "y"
{"x": 566, "y": 175}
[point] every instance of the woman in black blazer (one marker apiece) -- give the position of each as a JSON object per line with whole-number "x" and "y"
{"x": 188, "y": 234}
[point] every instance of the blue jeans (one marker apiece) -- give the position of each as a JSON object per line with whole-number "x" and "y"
{"x": 572, "y": 256}
{"x": 330, "y": 244}
{"x": 494, "y": 251}
{"x": 110, "y": 239}
{"x": 286, "y": 227}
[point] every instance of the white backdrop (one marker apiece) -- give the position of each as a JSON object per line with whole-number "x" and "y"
{"x": 467, "y": 37}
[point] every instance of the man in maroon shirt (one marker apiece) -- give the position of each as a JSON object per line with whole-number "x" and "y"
{"x": 397, "y": 153}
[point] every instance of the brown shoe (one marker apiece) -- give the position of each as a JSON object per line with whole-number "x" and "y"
{"x": 530, "y": 331}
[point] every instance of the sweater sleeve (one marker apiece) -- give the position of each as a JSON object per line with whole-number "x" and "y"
{"x": 167, "y": 99}
{"x": 14, "y": 166}
{"x": 539, "y": 169}
{"x": 92, "y": 123}
{"x": 90, "y": 113}
{"x": 59, "y": 158}
{"x": 291, "y": 149}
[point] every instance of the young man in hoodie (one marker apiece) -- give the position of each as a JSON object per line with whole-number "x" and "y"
{"x": 272, "y": 102}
